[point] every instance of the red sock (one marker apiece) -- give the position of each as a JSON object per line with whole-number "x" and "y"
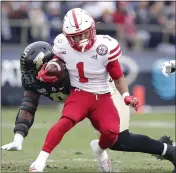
{"x": 56, "y": 133}
{"x": 107, "y": 139}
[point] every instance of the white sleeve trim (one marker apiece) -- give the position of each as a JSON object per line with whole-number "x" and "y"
{"x": 114, "y": 53}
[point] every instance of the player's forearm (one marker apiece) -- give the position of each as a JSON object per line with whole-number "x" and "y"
{"x": 121, "y": 85}
{"x": 25, "y": 116}
{"x": 24, "y": 119}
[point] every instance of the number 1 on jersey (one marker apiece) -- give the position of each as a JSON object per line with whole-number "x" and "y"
{"x": 80, "y": 67}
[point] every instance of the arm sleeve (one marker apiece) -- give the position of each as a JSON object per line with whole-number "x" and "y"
{"x": 114, "y": 69}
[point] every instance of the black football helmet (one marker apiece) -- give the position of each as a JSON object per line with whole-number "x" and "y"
{"x": 28, "y": 60}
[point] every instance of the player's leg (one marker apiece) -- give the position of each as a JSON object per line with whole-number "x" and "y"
{"x": 130, "y": 142}
{"x": 123, "y": 110}
{"x": 75, "y": 110}
{"x": 136, "y": 142}
{"x": 133, "y": 142}
{"x": 106, "y": 120}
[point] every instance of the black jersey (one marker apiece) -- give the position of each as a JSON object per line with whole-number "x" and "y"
{"x": 55, "y": 91}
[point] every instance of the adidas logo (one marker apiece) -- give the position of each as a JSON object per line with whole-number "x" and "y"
{"x": 94, "y": 57}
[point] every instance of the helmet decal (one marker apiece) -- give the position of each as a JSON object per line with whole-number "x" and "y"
{"x": 75, "y": 19}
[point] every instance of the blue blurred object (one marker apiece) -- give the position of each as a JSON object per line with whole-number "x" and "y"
{"x": 164, "y": 86}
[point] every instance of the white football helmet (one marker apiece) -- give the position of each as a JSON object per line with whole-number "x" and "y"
{"x": 78, "y": 21}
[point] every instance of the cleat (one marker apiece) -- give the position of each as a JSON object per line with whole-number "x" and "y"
{"x": 163, "y": 139}
{"x": 166, "y": 139}
{"x": 36, "y": 167}
{"x": 103, "y": 160}
{"x": 171, "y": 155}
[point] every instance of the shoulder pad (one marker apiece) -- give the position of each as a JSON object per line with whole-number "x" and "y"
{"x": 114, "y": 50}
{"x": 109, "y": 41}
{"x": 60, "y": 41}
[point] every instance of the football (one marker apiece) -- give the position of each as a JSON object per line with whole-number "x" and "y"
{"x": 55, "y": 68}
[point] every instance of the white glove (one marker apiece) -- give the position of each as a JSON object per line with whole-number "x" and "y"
{"x": 16, "y": 145}
{"x": 167, "y": 67}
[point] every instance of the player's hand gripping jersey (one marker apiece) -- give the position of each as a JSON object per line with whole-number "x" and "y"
{"x": 87, "y": 70}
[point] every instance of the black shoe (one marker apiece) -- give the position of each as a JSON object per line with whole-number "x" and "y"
{"x": 171, "y": 155}
{"x": 166, "y": 139}
{"x": 163, "y": 139}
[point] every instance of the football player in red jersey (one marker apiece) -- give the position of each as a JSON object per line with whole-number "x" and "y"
{"x": 90, "y": 59}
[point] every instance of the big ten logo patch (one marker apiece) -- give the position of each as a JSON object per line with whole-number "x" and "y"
{"x": 102, "y": 49}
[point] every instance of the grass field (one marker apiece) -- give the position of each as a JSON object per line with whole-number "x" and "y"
{"x": 74, "y": 154}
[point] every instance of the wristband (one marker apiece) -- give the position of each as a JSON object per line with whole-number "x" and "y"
{"x": 125, "y": 94}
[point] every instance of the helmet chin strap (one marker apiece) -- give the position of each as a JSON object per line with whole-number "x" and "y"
{"x": 83, "y": 44}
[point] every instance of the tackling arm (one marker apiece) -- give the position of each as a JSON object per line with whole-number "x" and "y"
{"x": 24, "y": 120}
{"x": 25, "y": 116}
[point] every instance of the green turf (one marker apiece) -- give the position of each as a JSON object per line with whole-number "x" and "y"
{"x": 74, "y": 154}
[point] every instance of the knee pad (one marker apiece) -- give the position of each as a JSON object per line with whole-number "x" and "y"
{"x": 107, "y": 139}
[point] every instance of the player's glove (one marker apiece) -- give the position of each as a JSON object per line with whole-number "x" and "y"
{"x": 42, "y": 75}
{"x": 13, "y": 146}
{"x": 132, "y": 101}
{"x": 168, "y": 67}
{"x": 16, "y": 145}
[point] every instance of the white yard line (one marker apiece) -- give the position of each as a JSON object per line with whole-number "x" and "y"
{"x": 153, "y": 124}
{"x": 141, "y": 124}
{"x": 72, "y": 160}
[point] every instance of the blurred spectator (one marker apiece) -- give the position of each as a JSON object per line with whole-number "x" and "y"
{"x": 108, "y": 9}
{"x": 91, "y": 8}
{"x": 103, "y": 14}
{"x": 142, "y": 12}
{"x": 142, "y": 18}
{"x": 5, "y": 28}
{"x": 53, "y": 10}
{"x": 170, "y": 37}
{"x": 157, "y": 18}
{"x": 139, "y": 23}
{"x": 39, "y": 26}
{"x": 170, "y": 22}
{"x": 124, "y": 17}
{"x": 19, "y": 10}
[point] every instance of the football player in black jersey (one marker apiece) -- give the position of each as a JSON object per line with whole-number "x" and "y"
{"x": 30, "y": 64}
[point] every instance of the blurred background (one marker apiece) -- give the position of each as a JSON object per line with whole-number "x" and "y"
{"x": 145, "y": 30}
